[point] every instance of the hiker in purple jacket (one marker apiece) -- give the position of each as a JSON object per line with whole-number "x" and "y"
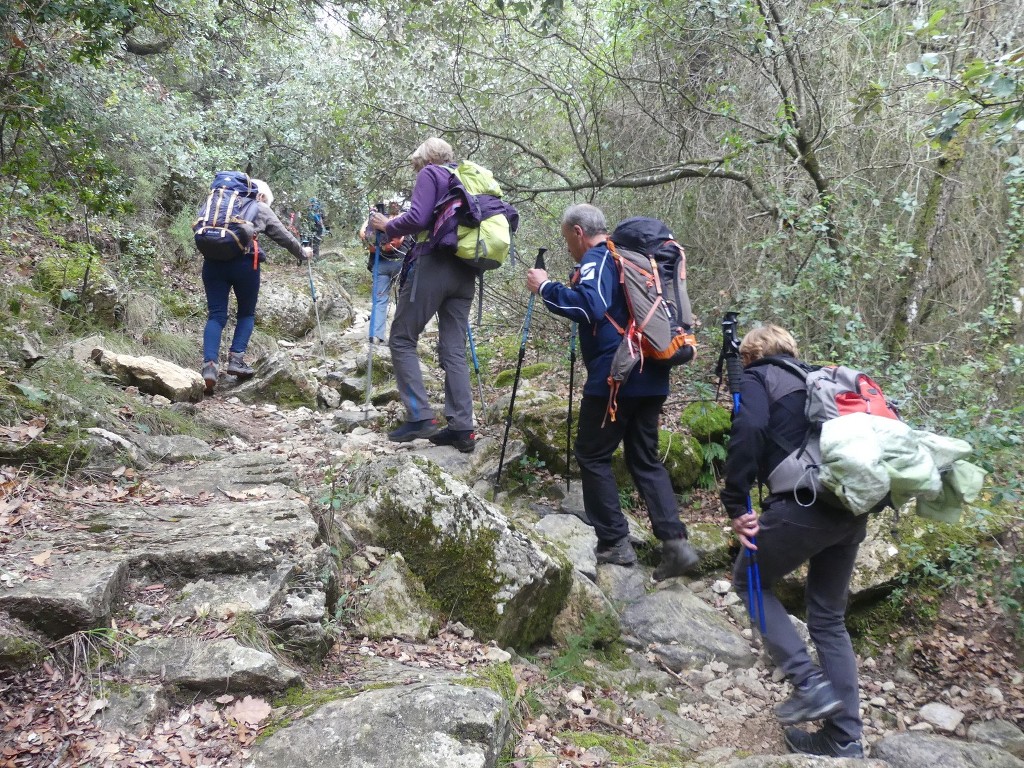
{"x": 431, "y": 283}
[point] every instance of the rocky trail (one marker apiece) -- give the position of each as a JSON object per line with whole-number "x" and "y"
{"x": 262, "y": 601}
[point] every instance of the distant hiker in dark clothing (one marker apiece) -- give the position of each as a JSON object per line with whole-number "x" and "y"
{"x": 788, "y": 534}
{"x": 315, "y": 226}
{"x": 241, "y": 275}
{"x": 389, "y": 258}
{"x": 592, "y": 296}
{"x": 432, "y": 283}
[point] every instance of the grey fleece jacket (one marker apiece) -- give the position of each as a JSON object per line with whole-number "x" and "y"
{"x": 266, "y": 221}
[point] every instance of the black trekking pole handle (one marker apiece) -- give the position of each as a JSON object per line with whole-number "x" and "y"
{"x": 539, "y": 264}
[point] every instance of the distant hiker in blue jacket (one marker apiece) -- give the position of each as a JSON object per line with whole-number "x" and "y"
{"x": 592, "y": 295}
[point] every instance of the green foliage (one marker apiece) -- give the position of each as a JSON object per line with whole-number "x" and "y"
{"x": 600, "y": 639}
{"x": 714, "y": 455}
{"x": 505, "y": 378}
{"x": 526, "y": 472}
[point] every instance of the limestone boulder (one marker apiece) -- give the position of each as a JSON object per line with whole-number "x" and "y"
{"x": 416, "y": 726}
{"x": 393, "y": 604}
{"x": 276, "y": 380}
{"x": 152, "y": 375}
{"x": 543, "y": 428}
{"x": 683, "y": 630}
{"x": 478, "y": 567}
{"x": 284, "y": 311}
{"x": 913, "y": 750}
{"x": 707, "y": 422}
{"x": 223, "y": 666}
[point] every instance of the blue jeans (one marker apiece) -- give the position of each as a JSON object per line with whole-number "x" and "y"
{"x": 387, "y": 271}
{"x": 219, "y": 279}
{"x": 827, "y": 540}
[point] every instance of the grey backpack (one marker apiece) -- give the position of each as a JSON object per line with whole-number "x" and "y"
{"x": 832, "y": 391}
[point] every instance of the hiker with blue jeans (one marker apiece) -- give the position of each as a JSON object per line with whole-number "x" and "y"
{"x": 788, "y": 533}
{"x": 431, "y": 284}
{"x": 593, "y": 299}
{"x": 389, "y": 255}
{"x": 241, "y": 275}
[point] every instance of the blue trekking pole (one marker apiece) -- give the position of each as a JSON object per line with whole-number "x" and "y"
{"x": 539, "y": 264}
{"x": 730, "y": 356}
{"x": 476, "y": 367}
{"x": 568, "y": 418}
{"x": 373, "y": 312}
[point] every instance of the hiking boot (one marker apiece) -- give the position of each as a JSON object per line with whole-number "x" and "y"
{"x": 813, "y": 700}
{"x": 210, "y": 376}
{"x": 820, "y": 743}
{"x": 237, "y": 366}
{"x": 617, "y": 553}
{"x": 677, "y": 557}
{"x": 462, "y": 439}
{"x": 413, "y": 430}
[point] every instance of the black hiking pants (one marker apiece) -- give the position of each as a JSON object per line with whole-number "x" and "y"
{"x": 636, "y": 427}
{"x": 827, "y": 540}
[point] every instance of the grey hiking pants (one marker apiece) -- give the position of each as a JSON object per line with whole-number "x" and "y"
{"x": 445, "y": 288}
{"x": 827, "y": 540}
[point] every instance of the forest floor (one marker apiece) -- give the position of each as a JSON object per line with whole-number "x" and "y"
{"x": 968, "y": 658}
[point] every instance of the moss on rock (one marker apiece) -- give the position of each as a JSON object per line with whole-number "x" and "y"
{"x": 543, "y": 427}
{"x": 707, "y": 422}
{"x": 681, "y": 455}
{"x": 458, "y": 571}
{"x": 505, "y": 378}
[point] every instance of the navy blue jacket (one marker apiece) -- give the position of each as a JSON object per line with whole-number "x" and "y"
{"x": 761, "y": 431}
{"x": 594, "y": 291}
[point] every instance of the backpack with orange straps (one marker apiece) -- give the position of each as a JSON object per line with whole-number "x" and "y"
{"x": 652, "y": 273}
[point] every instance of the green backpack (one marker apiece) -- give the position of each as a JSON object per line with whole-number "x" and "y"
{"x": 472, "y": 220}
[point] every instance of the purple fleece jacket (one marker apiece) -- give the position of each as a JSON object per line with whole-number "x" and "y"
{"x": 431, "y": 185}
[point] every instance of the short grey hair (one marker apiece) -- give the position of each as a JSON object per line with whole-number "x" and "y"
{"x": 587, "y": 217}
{"x": 433, "y": 151}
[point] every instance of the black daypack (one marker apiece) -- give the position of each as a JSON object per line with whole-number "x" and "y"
{"x": 224, "y": 227}
{"x": 832, "y": 391}
{"x": 652, "y": 273}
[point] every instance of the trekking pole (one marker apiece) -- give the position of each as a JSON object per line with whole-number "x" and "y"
{"x": 519, "y": 367}
{"x": 373, "y": 313}
{"x": 476, "y": 367}
{"x": 316, "y": 309}
{"x": 730, "y": 357}
{"x": 568, "y": 418}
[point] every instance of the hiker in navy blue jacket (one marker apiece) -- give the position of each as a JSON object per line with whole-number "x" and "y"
{"x": 789, "y": 533}
{"x": 592, "y": 295}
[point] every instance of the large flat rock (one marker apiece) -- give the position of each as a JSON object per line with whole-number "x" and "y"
{"x": 428, "y": 725}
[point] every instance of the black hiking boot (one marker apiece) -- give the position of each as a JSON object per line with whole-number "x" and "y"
{"x": 413, "y": 430}
{"x": 820, "y": 743}
{"x": 237, "y": 365}
{"x": 619, "y": 552}
{"x": 210, "y": 376}
{"x": 462, "y": 440}
{"x": 813, "y": 700}
{"x": 677, "y": 557}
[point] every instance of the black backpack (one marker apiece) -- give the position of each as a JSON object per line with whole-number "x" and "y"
{"x": 224, "y": 227}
